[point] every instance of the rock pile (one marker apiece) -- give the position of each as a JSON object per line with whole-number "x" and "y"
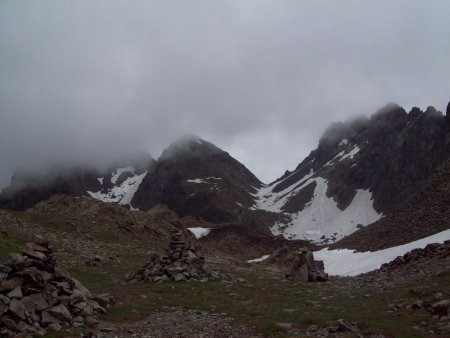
{"x": 438, "y": 307}
{"x": 298, "y": 264}
{"x": 181, "y": 263}
{"x": 36, "y": 296}
{"x": 431, "y": 251}
{"x": 430, "y": 261}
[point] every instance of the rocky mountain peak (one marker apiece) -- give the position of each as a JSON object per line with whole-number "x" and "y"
{"x": 362, "y": 170}
{"x": 189, "y": 146}
{"x": 389, "y": 113}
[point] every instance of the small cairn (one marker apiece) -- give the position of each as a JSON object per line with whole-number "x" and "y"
{"x": 181, "y": 263}
{"x": 36, "y": 296}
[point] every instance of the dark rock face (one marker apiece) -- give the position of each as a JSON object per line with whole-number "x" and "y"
{"x": 194, "y": 177}
{"x": 36, "y": 296}
{"x": 427, "y": 213}
{"x": 32, "y": 185}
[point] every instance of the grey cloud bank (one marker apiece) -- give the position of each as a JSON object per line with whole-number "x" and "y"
{"x": 84, "y": 80}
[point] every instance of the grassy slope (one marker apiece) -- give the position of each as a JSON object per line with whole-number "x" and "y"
{"x": 263, "y": 298}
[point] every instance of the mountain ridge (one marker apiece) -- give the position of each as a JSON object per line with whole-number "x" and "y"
{"x": 362, "y": 169}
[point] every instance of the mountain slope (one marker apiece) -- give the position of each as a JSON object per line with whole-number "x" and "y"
{"x": 115, "y": 183}
{"x": 194, "y": 177}
{"x": 362, "y": 169}
{"x": 427, "y": 213}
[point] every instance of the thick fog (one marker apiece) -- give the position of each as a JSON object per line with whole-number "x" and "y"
{"x": 91, "y": 80}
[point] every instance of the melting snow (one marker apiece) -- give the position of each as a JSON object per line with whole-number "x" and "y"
{"x": 344, "y": 142}
{"x": 119, "y": 171}
{"x": 342, "y": 155}
{"x": 199, "y": 232}
{"x": 260, "y": 259}
{"x": 267, "y": 200}
{"x": 352, "y": 153}
{"x": 203, "y": 180}
{"x": 197, "y": 180}
{"x": 123, "y": 193}
{"x": 321, "y": 218}
{"x": 349, "y": 263}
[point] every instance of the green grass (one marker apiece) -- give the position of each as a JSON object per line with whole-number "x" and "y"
{"x": 263, "y": 298}
{"x": 264, "y": 301}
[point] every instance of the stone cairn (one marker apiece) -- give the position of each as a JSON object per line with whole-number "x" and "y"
{"x": 36, "y": 296}
{"x": 181, "y": 263}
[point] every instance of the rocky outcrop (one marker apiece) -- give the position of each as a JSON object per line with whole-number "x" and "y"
{"x": 298, "y": 264}
{"x": 36, "y": 296}
{"x": 426, "y": 214}
{"x": 182, "y": 262}
{"x": 415, "y": 257}
{"x": 418, "y": 264}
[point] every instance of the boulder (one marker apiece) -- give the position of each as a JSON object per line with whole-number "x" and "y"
{"x": 298, "y": 264}
{"x": 61, "y": 312}
{"x": 441, "y": 308}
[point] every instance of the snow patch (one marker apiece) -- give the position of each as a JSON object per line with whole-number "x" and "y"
{"x": 100, "y": 179}
{"x": 352, "y": 153}
{"x": 350, "y": 263}
{"x": 123, "y": 193}
{"x": 260, "y": 259}
{"x": 203, "y": 180}
{"x": 206, "y": 181}
{"x": 119, "y": 171}
{"x": 321, "y": 219}
{"x": 342, "y": 155}
{"x": 265, "y": 199}
{"x": 344, "y": 142}
{"x": 199, "y": 232}
{"x": 197, "y": 180}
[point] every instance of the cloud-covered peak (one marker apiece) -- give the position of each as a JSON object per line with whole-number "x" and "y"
{"x": 189, "y": 146}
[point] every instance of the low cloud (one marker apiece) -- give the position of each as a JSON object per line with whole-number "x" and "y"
{"x": 85, "y": 80}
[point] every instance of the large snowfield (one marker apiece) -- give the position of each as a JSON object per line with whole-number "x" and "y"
{"x": 350, "y": 263}
{"x": 321, "y": 218}
{"x": 320, "y": 221}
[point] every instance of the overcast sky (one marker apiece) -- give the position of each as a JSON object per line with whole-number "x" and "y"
{"x": 260, "y": 79}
